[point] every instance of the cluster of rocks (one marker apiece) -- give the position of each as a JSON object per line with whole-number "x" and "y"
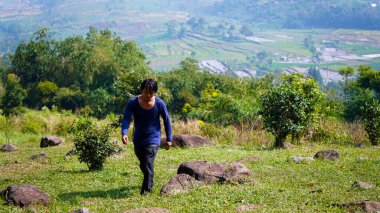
{"x": 199, "y": 173}
{"x": 26, "y": 195}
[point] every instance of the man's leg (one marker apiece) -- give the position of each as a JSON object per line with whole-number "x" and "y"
{"x": 150, "y": 157}
{"x": 146, "y": 156}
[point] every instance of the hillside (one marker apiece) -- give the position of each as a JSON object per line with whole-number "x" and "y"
{"x": 357, "y": 14}
{"x": 232, "y": 33}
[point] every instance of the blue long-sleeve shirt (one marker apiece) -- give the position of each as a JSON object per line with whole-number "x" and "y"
{"x": 147, "y": 128}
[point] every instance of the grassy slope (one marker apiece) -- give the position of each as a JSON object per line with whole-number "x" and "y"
{"x": 280, "y": 186}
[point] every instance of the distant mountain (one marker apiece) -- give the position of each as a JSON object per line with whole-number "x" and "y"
{"x": 349, "y": 14}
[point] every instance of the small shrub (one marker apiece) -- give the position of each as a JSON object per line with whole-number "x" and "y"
{"x": 92, "y": 142}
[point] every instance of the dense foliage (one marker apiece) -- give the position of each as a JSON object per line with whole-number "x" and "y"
{"x": 79, "y": 71}
{"x": 95, "y": 75}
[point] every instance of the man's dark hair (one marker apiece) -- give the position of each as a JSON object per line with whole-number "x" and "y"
{"x": 149, "y": 84}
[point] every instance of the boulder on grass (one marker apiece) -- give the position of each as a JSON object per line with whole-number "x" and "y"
{"x": 25, "y": 195}
{"x": 301, "y": 159}
{"x": 180, "y": 183}
{"x": 183, "y": 140}
{"x": 367, "y": 206}
{"x": 50, "y": 141}
{"x": 8, "y": 148}
{"x": 145, "y": 210}
{"x": 327, "y": 155}
{"x": 39, "y": 156}
{"x": 362, "y": 185}
{"x": 208, "y": 172}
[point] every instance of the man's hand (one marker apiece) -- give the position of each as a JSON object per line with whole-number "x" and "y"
{"x": 168, "y": 144}
{"x": 124, "y": 139}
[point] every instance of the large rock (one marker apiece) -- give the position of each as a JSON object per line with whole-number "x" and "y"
{"x": 180, "y": 183}
{"x": 327, "y": 155}
{"x": 145, "y": 210}
{"x": 362, "y": 185}
{"x": 215, "y": 172}
{"x": 50, "y": 141}
{"x": 8, "y": 148}
{"x": 25, "y": 195}
{"x": 182, "y": 140}
{"x": 367, "y": 206}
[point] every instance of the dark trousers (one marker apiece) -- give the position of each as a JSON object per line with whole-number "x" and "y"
{"x": 146, "y": 156}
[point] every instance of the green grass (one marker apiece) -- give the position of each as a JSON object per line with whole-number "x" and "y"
{"x": 278, "y": 186}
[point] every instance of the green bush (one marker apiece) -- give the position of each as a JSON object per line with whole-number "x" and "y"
{"x": 92, "y": 142}
{"x": 290, "y": 108}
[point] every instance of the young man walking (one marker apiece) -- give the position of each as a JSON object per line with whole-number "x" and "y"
{"x": 146, "y": 110}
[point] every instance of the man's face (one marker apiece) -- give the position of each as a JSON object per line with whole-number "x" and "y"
{"x": 148, "y": 94}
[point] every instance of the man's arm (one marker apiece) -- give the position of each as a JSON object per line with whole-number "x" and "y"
{"x": 167, "y": 124}
{"x": 127, "y": 118}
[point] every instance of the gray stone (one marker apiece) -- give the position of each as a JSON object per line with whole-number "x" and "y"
{"x": 362, "y": 185}
{"x": 50, "y": 141}
{"x": 301, "y": 159}
{"x": 360, "y": 145}
{"x": 145, "y": 210}
{"x": 183, "y": 140}
{"x": 371, "y": 206}
{"x": 180, "y": 183}
{"x": 8, "y": 148}
{"x": 208, "y": 172}
{"x": 288, "y": 145}
{"x": 39, "y": 156}
{"x": 81, "y": 210}
{"x": 327, "y": 155}
{"x": 25, "y": 195}
{"x": 246, "y": 208}
{"x": 367, "y": 206}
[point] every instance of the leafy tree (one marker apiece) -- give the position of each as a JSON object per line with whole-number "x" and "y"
{"x": 12, "y": 99}
{"x": 13, "y": 96}
{"x": 290, "y": 108}
{"x": 346, "y": 72}
{"x": 36, "y": 60}
{"x": 369, "y": 78}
